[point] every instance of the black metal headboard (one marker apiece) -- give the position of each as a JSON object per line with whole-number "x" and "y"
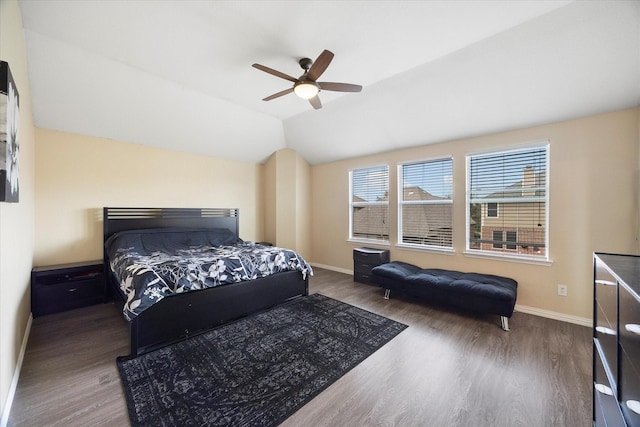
{"x": 121, "y": 219}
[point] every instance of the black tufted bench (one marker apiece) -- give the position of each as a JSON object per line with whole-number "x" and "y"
{"x": 485, "y": 293}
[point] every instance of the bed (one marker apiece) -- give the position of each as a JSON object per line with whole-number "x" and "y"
{"x": 188, "y": 307}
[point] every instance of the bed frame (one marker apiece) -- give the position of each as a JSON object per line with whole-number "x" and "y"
{"x": 182, "y": 315}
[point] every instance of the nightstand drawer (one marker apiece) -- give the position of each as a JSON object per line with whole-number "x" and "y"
{"x": 370, "y": 256}
{"x": 64, "y": 287}
{"x": 362, "y": 267}
{"x": 65, "y": 296}
{"x": 361, "y": 277}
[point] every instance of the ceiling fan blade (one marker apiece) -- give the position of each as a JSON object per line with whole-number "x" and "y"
{"x": 319, "y": 65}
{"x": 278, "y": 95}
{"x": 315, "y": 102}
{"x": 339, "y": 87}
{"x": 275, "y": 72}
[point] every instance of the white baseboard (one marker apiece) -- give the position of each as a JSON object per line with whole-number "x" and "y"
{"x": 583, "y": 321}
{"x": 16, "y": 375}
{"x": 329, "y": 267}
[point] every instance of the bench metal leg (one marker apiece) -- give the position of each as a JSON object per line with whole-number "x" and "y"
{"x": 386, "y": 293}
{"x": 505, "y": 323}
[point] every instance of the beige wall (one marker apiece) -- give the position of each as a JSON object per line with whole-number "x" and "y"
{"x": 286, "y": 198}
{"x": 593, "y": 206}
{"x": 288, "y": 201}
{"x": 16, "y": 219}
{"x": 78, "y": 175}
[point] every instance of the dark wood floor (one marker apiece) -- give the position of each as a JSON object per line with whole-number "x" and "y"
{"x": 447, "y": 369}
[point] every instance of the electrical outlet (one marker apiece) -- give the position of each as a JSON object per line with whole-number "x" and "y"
{"x": 562, "y": 290}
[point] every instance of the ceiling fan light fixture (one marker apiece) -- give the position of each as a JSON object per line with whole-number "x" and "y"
{"x": 307, "y": 86}
{"x": 306, "y": 90}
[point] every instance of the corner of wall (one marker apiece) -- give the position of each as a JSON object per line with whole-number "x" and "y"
{"x": 288, "y": 201}
{"x": 269, "y": 199}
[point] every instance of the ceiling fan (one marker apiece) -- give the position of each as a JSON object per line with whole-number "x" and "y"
{"x": 306, "y": 86}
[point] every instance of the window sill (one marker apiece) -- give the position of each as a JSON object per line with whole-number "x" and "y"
{"x": 369, "y": 242}
{"x": 509, "y": 258}
{"x": 432, "y": 249}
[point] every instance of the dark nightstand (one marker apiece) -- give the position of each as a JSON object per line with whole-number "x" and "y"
{"x": 62, "y": 287}
{"x": 364, "y": 259}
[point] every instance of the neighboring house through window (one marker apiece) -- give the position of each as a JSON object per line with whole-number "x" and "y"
{"x": 507, "y": 202}
{"x": 369, "y": 204}
{"x": 425, "y": 203}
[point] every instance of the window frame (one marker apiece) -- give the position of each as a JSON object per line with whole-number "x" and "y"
{"x": 400, "y": 187}
{"x": 352, "y": 204}
{"x": 512, "y": 255}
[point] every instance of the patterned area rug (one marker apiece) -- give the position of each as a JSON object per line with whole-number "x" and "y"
{"x": 256, "y": 371}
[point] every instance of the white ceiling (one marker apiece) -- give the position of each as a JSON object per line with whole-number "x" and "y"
{"x": 178, "y": 75}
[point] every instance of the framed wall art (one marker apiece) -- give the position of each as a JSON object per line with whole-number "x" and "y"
{"x": 9, "y": 135}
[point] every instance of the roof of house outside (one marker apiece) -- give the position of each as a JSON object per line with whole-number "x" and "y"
{"x": 512, "y": 190}
{"x": 419, "y": 220}
{"x": 422, "y": 219}
{"x": 371, "y": 220}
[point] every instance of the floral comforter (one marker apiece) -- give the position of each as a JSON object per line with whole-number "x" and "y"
{"x": 151, "y": 265}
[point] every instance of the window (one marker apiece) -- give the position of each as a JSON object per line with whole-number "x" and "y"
{"x": 369, "y": 204}
{"x": 492, "y": 210}
{"x": 512, "y": 238}
{"x": 425, "y": 202}
{"x": 507, "y": 200}
{"x": 497, "y": 240}
{"x": 502, "y": 238}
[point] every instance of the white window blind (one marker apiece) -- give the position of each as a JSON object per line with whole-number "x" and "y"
{"x": 507, "y": 201}
{"x": 425, "y": 203}
{"x": 369, "y": 204}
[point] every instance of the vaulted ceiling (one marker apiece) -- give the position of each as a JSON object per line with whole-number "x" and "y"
{"x": 178, "y": 75}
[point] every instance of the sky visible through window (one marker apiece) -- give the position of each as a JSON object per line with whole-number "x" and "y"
{"x": 371, "y": 184}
